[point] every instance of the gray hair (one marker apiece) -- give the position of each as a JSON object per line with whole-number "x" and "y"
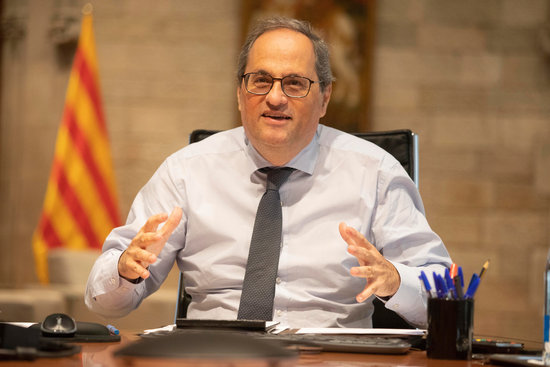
{"x": 320, "y": 48}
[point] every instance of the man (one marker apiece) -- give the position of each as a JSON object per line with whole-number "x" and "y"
{"x": 215, "y": 186}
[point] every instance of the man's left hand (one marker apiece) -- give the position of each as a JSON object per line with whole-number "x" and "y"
{"x": 382, "y": 277}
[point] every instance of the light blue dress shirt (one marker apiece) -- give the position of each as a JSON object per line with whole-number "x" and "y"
{"x": 216, "y": 182}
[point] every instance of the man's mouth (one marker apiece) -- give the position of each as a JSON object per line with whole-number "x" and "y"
{"x": 276, "y": 116}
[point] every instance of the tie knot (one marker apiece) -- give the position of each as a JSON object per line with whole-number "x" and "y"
{"x": 276, "y": 177}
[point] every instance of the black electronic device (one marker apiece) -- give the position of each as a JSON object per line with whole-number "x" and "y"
{"x": 516, "y": 360}
{"x": 346, "y": 343}
{"x": 58, "y": 325}
{"x": 207, "y": 344}
{"x": 84, "y": 332}
{"x": 342, "y": 343}
{"x": 494, "y": 346}
{"x": 22, "y": 343}
{"x": 249, "y": 325}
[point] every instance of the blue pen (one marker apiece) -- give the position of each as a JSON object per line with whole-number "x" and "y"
{"x": 472, "y": 287}
{"x": 426, "y": 283}
{"x": 437, "y": 285}
{"x": 443, "y": 285}
{"x": 113, "y": 330}
{"x": 461, "y": 276}
{"x": 450, "y": 284}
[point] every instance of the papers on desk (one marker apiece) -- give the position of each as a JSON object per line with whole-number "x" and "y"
{"x": 352, "y": 331}
{"x": 361, "y": 331}
{"x": 20, "y": 324}
{"x": 273, "y": 328}
{"x": 215, "y": 324}
{"x": 166, "y": 328}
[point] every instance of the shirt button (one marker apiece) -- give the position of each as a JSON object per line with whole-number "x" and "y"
{"x": 112, "y": 281}
{"x": 278, "y": 280}
{"x": 279, "y": 313}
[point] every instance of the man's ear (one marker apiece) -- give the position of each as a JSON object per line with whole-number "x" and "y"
{"x": 326, "y": 98}
{"x": 239, "y": 98}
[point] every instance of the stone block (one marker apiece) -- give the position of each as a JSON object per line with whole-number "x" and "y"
{"x": 515, "y": 229}
{"x": 458, "y": 193}
{"x": 30, "y": 305}
{"x": 396, "y": 66}
{"x": 463, "y": 229}
{"x": 526, "y": 13}
{"x": 455, "y": 162}
{"x": 395, "y": 98}
{"x": 519, "y": 196}
{"x": 470, "y": 13}
{"x": 451, "y": 38}
{"x": 71, "y": 267}
{"x": 398, "y": 11}
{"x": 155, "y": 311}
{"x": 522, "y": 131}
{"x": 511, "y": 164}
{"x": 509, "y": 41}
{"x": 542, "y": 173}
{"x": 483, "y": 70}
{"x": 536, "y": 273}
{"x": 448, "y": 99}
{"x": 439, "y": 68}
{"x": 467, "y": 130}
{"x": 398, "y": 35}
{"x": 527, "y": 70}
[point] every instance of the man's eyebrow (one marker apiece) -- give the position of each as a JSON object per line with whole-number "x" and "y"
{"x": 263, "y": 72}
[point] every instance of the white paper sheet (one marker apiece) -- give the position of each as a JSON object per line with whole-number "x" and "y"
{"x": 358, "y": 331}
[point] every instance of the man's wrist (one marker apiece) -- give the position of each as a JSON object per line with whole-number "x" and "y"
{"x": 133, "y": 281}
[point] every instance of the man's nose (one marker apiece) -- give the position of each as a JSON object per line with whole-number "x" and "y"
{"x": 276, "y": 96}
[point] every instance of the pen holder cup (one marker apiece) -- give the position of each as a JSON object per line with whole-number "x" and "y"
{"x": 450, "y": 328}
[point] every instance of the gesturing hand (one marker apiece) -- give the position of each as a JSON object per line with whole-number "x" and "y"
{"x": 381, "y": 276}
{"x": 147, "y": 245}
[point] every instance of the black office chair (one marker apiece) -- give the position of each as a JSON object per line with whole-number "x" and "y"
{"x": 403, "y": 145}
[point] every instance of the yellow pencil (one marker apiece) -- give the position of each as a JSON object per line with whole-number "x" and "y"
{"x": 485, "y": 266}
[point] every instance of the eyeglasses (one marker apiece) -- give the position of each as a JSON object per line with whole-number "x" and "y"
{"x": 293, "y": 86}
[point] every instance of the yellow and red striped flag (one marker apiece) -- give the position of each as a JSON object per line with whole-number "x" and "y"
{"x": 80, "y": 207}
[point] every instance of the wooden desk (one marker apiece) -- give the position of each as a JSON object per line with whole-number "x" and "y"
{"x": 101, "y": 355}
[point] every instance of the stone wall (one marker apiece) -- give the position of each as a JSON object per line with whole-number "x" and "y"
{"x": 470, "y": 77}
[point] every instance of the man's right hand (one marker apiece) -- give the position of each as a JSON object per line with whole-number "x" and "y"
{"x": 147, "y": 245}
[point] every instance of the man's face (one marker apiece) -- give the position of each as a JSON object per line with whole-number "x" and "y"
{"x": 278, "y": 126}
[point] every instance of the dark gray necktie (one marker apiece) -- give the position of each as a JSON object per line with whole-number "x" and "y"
{"x": 263, "y": 256}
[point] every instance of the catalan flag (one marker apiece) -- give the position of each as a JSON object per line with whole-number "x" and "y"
{"x": 80, "y": 207}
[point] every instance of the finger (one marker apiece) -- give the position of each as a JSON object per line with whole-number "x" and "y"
{"x": 143, "y": 240}
{"x": 364, "y": 256}
{"x": 366, "y": 293}
{"x": 136, "y": 270}
{"x": 362, "y": 272}
{"x": 131, "y": 268}
{"x": 358, "y": 239}
{"x": 153, "y": 222}
{"x": 346, "y": 234}
{"x": 142, "y": 256}
{"x": 171, "y": 223}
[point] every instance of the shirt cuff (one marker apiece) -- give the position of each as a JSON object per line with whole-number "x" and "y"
{"x": 133, "y": 281}
{"x": 409, "y": 301}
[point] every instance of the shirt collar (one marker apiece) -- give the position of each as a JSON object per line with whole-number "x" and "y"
{"x": 304, "y": 161}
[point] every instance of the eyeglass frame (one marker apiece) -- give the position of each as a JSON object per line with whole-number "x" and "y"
{"x": 311, "y": 82}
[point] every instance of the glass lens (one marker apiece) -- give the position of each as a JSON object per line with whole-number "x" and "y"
{"x": 295, "y": 86}
{"x": 258, "y": 83}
